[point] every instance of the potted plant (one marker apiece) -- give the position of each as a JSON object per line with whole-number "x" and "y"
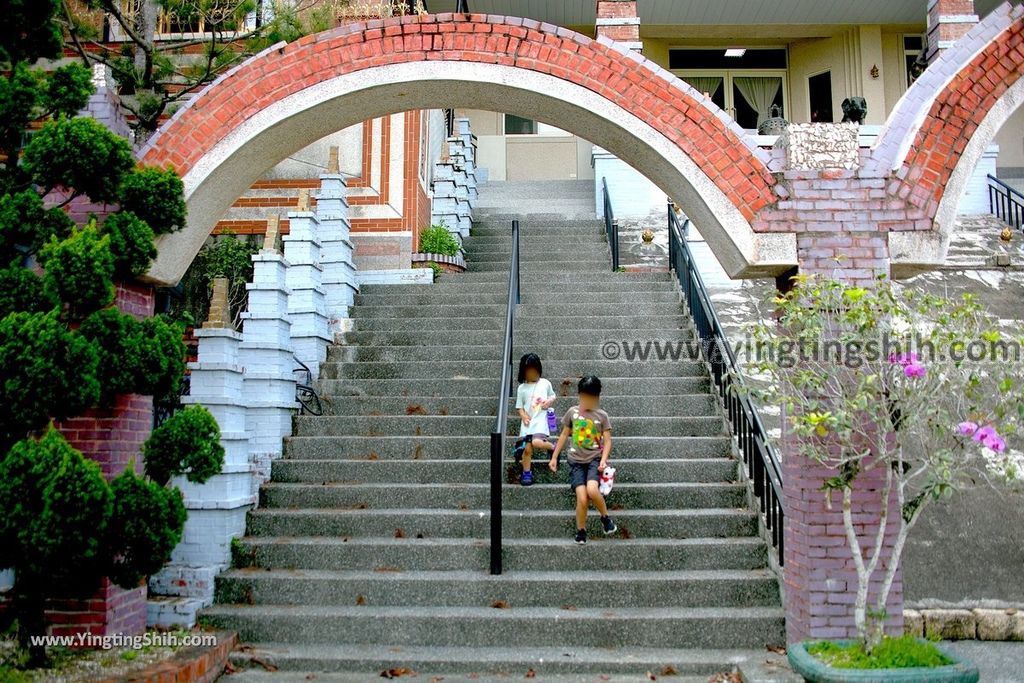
{"x": 439, "y": 250}
{"x": 920, "y": 392}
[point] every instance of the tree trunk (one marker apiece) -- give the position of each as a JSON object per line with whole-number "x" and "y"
{"x": 29, "y": 606}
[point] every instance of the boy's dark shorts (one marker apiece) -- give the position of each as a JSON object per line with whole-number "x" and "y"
{"x": 581, "y": 473}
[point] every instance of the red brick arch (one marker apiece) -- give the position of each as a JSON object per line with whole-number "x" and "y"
{"x": 734, "y": 170}
{"x": 961, "y": 123}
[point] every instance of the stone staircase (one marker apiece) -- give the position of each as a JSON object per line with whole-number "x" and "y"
{"x": 369, "y": 549}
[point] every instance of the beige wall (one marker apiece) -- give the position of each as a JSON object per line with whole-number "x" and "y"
{"x": 1011, "y": 145}
{"x": 808, "y": 58}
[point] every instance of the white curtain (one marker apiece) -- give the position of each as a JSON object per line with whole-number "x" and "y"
{"x": 705, "y": 84}
{"x": 759, "y": 92}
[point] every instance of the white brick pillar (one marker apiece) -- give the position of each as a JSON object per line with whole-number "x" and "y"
{"x": 307, "y": 306}
{"x": 465, "y": 135}
{"x": 218, "y": 507}
{"x": 339, "y": 278}
{"x": 268, "y": 357}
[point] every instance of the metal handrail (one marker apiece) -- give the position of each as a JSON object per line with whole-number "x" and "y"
{"x": 462, "y": 7}
{"x": 498, "y": 437}
{"x": 611, "y": 226}
{"x": 1006, "y": 203}
{"x": 759, "y": 454}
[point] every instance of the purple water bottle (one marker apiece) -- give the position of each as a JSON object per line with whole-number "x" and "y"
{"x": 552, "y": 421}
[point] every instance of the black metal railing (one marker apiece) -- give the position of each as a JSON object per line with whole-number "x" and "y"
{"x": 611, "y": 226}
{"x": 1006, "y": 203}
{"x": 462, "y": 7}
{"x": 498, "y": 436}
{"x": 759, "y": 455}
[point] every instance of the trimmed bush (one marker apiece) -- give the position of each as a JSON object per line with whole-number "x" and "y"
{"x": 80, "y": 270}
{"x": 131, "y": 243}
{"x": 145, "y": 525}
{"x": 188, "y": 444}
{"x": 156, "y": 196}
{"x": 22, "y": 290}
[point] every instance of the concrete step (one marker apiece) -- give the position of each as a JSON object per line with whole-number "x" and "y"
{"x": 555, "y": 277}
{"x": 714, "y": 627}
{"x": 625, "y": 448}
{"x": 465, "y": 588}
{"x": 564, "y": 254}
{"x": 565, "y": 664}
{"x": 610, "y": 554}
{"x": 554, "y": 369}
{"x": 671, "y": 349}
{"x": 471, "y": 285}
{"x": 524, "y": 311}
{"x": 432, "y": 523}
{"x": 460, "y": 386}
{"x": 515, "y": 497}
{"x": 469, "y": 425}
{"x": 568, "y": 323}
{"x": 529, "y": 337}
{"x": 544, "y": 265}
{"x": 427, "y": 297}
{"x": 624, "y": 406}
{"x": 475, "y": 471}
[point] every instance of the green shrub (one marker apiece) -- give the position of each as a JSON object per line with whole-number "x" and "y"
{"x": 437, "y": 240}
{"x": 156, "y": 196}
{"x": 188, "y": 443}
{"x": 68, "y": 89}
{"x": 79, "y": 154}
{"x": 49, "y": 371}
{"x": 56, "y": 505}
{"x": 80, "y": 270}
{"x": 22, "y": 290}
{"x": 145, "y": 526}
{"x": 225, "y": 256}
{"x": 892, "y": 653}
{"x": 131, "y": 243}
{"x": 161, "y": 354}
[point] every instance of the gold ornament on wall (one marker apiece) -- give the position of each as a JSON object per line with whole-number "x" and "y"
{"x": 874, "y": 71}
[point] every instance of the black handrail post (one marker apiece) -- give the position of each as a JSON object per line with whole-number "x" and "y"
{"x": 611, "y": 226}
{"x": 504, "y": 393}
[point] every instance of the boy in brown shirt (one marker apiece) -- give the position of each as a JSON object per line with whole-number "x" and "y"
{"x": 590, "y": 429}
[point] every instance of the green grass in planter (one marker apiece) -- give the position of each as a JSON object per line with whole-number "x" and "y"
{"x": 893, "y": 653}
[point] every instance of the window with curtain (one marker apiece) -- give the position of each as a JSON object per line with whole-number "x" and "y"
{"x": 759, "y": 93}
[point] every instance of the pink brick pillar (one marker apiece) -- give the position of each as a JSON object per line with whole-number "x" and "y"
{"x": 113, "y": 437}
{"x": 619, "y": 21}
{"x": 948, "y": 21}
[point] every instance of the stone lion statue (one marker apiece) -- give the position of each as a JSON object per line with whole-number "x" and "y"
{"x": 854, "y": 109}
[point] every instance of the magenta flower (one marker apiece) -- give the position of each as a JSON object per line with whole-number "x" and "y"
{"x": 914, "y": 370}
{"x": 967, "y": 428}
{"x": 995, "y": 443}
{"x": 985, "y": 433}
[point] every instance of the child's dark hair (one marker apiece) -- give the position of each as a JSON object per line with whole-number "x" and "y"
{"x": 530, "y": 360}
{"x": 590, "y": 385}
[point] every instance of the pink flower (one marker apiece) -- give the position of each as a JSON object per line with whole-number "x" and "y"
{"x": 986, "y": 432}
{"x": 913, "y": 370}
{"x": 995, "y": 443}
{"x": 967, "y": 428}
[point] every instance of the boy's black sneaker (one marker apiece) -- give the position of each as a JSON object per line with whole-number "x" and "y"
{"x": 581, "y": 537}
{"x": 609, "y": 526}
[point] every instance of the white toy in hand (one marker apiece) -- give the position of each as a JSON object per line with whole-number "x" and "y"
{"x": 607, "y": 480}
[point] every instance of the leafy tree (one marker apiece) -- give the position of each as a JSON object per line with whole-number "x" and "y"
{"x": 228, "y": 256}
{"x": 63, "y": 348}
{"x": 183, "y": 445}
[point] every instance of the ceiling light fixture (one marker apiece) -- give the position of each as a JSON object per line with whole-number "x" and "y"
{"x": 735, "y": 51}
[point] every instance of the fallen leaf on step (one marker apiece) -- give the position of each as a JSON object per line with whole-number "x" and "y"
{"x": 399, "y": 533}
{"x": 360, "y": 600}
{"x": 436, "y": 679}
{"x": 373, "y": 456}
{"x": 733, "y": 677}
{"x": 651, "y": 677}
{"x": 499, "y": 604}
{"x": 571, "y": 608}
{"x": 605, "y": 677}
{"x": 415, "y": 409}
{"x": 669, "y": 670}
{"x": 310, "y": 677}
{"x": 387, "y": 569}
{"x": 530, "y": 673}
{"x": 776, "y": 649}
{"x": 397, "y": 672}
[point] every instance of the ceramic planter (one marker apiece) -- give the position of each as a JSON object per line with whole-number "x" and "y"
{"x": 816, "y": 671}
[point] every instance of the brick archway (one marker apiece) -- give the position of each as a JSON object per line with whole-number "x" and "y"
{"x": 938, "y": 132}
{"x": 290, "y": 95}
